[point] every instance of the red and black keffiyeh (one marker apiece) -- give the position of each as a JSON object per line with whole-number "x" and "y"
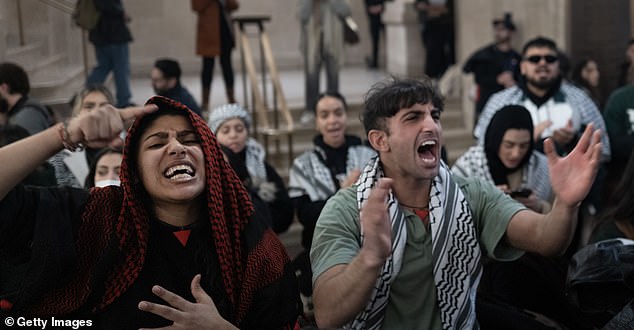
{"x": 123, "y": 216}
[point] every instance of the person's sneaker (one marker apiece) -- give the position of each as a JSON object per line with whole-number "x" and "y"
{"x": 308, "y": 118}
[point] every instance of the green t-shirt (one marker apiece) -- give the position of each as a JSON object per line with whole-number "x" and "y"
{"x": 619, "y": 121}
{"x": 412, "y": 303}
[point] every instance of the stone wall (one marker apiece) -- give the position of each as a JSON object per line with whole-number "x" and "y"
{"x": 600, "y": 30}
{"x": 3, "y": 29}
{"x": 168, "y": 28}
{"x": 403, "y": 39}
{"x": 532, "y": 18}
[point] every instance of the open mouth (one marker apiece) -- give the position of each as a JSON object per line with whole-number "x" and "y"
{"x": 427, "y": 151}
{"x": 334, "y": 130}
{"x": 179, "y": 172}
{"x": 512, "y": 163}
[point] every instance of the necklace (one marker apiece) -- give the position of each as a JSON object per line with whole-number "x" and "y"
{"x": 421, "y": 212}
{"x": 415, "y": 207}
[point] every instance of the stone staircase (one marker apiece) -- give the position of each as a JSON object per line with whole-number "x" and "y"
{"x": 53, "y": 61}
{"x": 457, "y": 139}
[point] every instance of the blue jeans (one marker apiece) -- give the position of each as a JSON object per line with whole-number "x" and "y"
{"x": 115, "y": 58}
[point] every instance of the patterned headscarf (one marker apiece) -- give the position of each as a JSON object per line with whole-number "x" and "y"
{"x": 510, "y": 116}
{"x": 122, "y": 214}
{"x": 227, "y": 201}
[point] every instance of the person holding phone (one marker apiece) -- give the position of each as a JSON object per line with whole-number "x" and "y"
{"x": 403, "y": 247}
{"x": 508, "y": 159}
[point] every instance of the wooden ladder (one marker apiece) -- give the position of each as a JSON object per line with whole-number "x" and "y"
{"x": 272, "y": 120}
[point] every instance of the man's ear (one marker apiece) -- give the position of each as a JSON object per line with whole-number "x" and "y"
{"x": 378, "y": 140}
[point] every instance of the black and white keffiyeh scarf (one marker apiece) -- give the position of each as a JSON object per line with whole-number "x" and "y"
{"x": 455, "y": 252}
{"x": 255, "y": 156}
{"x": 310, "y": 176}
{"x": 474, "y": 164}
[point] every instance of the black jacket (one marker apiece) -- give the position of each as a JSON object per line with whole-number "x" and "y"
{"x": 111, "y": 28}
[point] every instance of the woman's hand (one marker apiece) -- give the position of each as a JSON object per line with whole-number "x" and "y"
{"x": 103, "y": 126}
{"x": 187, "y": 315}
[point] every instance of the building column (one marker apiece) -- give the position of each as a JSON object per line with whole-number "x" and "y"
{"x": 403, "y": 45}
{"x": 474, "y": 18}
{"x": 3, "y": 30}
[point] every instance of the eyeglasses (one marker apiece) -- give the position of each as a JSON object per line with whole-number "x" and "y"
{"x": 538, "y": 58}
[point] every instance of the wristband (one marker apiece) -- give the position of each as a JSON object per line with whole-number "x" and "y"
{"x": 66, "y": 141}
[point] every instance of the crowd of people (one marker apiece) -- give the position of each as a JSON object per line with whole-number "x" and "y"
{"x": 168, "y": 214}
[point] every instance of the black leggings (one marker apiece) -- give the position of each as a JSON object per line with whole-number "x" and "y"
{"x": 208, "y": 69}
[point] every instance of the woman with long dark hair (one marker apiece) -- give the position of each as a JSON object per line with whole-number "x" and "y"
{"x": 508, "y": 159}
{"x": 175, "y": 244}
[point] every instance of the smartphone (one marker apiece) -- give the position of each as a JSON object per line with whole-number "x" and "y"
{"x": 523, "y": 192}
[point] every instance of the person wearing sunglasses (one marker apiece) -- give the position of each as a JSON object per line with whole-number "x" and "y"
{"x": 559, "y": 110}
{"x": 496, "y": 65}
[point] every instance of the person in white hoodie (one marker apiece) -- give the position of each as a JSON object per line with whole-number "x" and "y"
{"x": 559, "y": 109}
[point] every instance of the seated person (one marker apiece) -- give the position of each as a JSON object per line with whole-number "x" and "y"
{"x": 43, "y": 175}
{"x": 617, "y": 220}
{"x": 317, "y": 174}
{"x": 600, "y": 275}
{"x": 71, "y": 168}
{"x": 175, "y": 245}
{"x": 166, "y": 81}
{"x": 240, "y": 167}
{"x": 231, "y": 124}
{"x": 402, "y": 248}
{"x": 105, "y": 170}
{"x": 508, "y": 159}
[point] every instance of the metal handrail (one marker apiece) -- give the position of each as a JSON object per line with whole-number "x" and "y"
{"x": 20, "y": 23}
{"x": 66, "y": 6}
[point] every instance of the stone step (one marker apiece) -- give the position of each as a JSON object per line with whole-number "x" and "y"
{"x": 30, "y": 56}
{"x": 452, "y": 117}
{"x": 456, "y": 138}
{"x": 282, "y": 165}
{"x": 52, "y": 77}
{"x": 55, "y": 85}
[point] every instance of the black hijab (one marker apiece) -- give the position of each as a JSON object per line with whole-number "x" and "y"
{"x": 510, "y": 116}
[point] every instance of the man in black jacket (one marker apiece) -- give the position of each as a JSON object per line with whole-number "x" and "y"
{"x": 110, "y": 38}
{"x": 166, "y": 81}
{"x": 495, "y": 66}
{"x": 16, "y": 106}
{"x": 374, "y": 9}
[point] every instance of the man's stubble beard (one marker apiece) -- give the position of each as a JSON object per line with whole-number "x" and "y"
{"x": 545, "y": 85}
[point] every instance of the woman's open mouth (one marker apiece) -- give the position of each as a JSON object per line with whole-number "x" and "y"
{"x": 180, "y": 172}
